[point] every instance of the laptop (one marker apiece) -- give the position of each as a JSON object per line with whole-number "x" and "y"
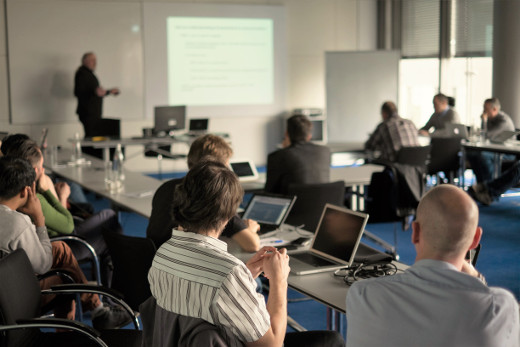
{"x": 503, "y": 136}
{"x": 244, "y": 169}
{"x": 198, "y": 127}
{"x": 335, "y": 242}
{"x": 270, "y": 211}
{"x": 457, "y": 130}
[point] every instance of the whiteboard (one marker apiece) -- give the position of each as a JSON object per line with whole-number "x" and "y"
{"x": 357, "y": 84}
{"x": 46, "y": 42}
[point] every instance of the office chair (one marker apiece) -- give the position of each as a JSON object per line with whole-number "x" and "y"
{"x": 20, "y": 298}
{"x": 445, "y": 156}
{"x": 311, "y": 198}
{"x": 165, "y": 328}
{"x": 132, "y": 258}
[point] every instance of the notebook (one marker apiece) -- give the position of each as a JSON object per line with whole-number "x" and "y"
{"x": 503, "y": 136}
{"x": 335, "y": 242}
{"x": 270, "y": 211}
{"x": 244, "y": 169}
{"x": 198, "y": 127}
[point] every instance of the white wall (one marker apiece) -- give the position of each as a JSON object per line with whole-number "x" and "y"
{"x": 313, "y": 27}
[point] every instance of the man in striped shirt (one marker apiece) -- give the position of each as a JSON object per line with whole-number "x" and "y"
{"x": 193, "y": 274}
{"x": 392, "y": 133}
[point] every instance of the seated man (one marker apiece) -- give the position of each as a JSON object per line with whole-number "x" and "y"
{"x": 23, "y": 226}
{"x": 494, "y": 121}
{"x": 214, "y": 285}
{"x": 59, "y": 220}
{"x": 299, "y": 161}
{"x": 443, "y": 114}
{"x": 488, "y": 192}
{"x": 392, "y": 133}
{"x": 161, "y": 223}
{"x": 441, "y": 300}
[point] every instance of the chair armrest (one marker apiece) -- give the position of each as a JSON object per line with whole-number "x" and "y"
{"x": 93, "y": 289}
{"x": 57, "y": 323}
{"x": 64, "y": 274}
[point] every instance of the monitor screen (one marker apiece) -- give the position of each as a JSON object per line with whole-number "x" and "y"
{"x": 339, "y": 232}
{"x": 317, "y": 130}
{"x": 242, "y": 169}
{"x": 169, "y": 118}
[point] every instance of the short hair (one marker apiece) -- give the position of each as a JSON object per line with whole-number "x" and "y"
{"x": 389, "y": 108}
{"x": 212, "y": 146}
{"x": 15, "y": 175}
{"x": 299, "y": 127}
{"x": 207, "y": 197}
{"x": 494, "y": 102}
{"x": 85, "y": 56}
{"x": 441, "y": 97}
{"x": 27, "y": 150}
{"x": 12, "y": 141}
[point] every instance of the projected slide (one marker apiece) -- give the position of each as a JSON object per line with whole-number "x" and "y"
{"x": 220, "y": 61}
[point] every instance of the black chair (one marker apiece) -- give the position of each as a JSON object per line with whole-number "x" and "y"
{"x": 132, "y": 258}
{"x": 164, "y": 328}
{"x": 445, "y": 156}
{"x": 414, "y": 156}
{"x": 311, "y": 198}
{"x": 20, "y": 299}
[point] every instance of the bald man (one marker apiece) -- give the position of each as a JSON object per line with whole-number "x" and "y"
{"x": 90, "y": 95}
{"x": 441, "y": 300}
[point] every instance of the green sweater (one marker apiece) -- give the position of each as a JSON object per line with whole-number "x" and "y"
{"x": 58, "y": 219}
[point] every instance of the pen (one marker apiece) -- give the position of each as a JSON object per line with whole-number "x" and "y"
{"x": 273, "y": 242}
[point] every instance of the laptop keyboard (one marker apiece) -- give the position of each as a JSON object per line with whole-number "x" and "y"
{"x": 312, "y": 259}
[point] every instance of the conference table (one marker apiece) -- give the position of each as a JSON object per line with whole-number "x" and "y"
{"x": 509, "y": 147}
{"x": 137, "y": 193}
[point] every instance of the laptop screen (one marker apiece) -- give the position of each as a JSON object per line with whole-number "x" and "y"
{"x": 199, "y": 124}
{"x": 168, "y": 118}
{"x": 268, "y": 209}
{"x": 242, "y": 169}
{"x": 339, "y": 233}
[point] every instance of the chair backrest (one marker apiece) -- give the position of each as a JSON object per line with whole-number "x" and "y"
{"x": 444, "y": 154}
{"x": 165, "y": 328}
{"x": 415, "y": 156}
{"x": 19, "y": 297}
{"x": 132, "y": 258}
{"x": 311, "y": 198}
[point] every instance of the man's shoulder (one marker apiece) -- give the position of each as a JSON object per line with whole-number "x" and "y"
{"x": 13, "y": 221}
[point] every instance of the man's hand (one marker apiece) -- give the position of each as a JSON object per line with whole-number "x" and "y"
{"x": 115, "y": 91}
{"x": 276, "y": 265}
{"x": 101, "y": 92}
{"x": 255, "y": 264}
{"x": 252, "y": 226}
{"x": 424, "y": 133}
{"x": 33, "y": 207}
{"x": 469, "y": 269}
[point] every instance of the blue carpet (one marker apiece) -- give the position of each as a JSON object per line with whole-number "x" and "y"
{"x": 498, "y": 259}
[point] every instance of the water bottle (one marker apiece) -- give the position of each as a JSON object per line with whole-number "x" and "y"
{"x": 117, "y": 163}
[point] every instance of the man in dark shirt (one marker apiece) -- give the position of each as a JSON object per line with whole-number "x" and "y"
{"x": 300, "y": 161}
{"x": 90, "y": 94}
{"x": 443, "y": 114}
{"x": 161, "y": 223}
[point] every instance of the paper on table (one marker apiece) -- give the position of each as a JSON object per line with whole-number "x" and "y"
{"x": 273, "y": 241}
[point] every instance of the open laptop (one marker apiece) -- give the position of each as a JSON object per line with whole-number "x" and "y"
{"x": 335, "y": 242}
{"x": 503, "y": 136}
{"x": 457, "y": 130}
{"x": 198, "y": 127}
{"x": 269, "y": 210}
{"x": 244, "y": 169}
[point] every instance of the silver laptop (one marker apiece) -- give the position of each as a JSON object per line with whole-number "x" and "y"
{"x": 335, "y": 242}
{"x": 503, "y": 136}
{"x": 270, "y": 211}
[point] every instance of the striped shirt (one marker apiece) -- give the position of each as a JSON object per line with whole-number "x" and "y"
{"x": 194, "y": 275}
{"x": 392, "y": 134}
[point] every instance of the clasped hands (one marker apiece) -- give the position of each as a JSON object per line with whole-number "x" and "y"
{"x": 272, "y": 262}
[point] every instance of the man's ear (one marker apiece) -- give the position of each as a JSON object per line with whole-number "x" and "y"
{"x": 476, "y": 238}
{"x": 24, "y": 192}
{"x": 416, "y": 232}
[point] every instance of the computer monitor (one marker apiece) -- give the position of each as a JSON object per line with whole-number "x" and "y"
{"x": 169, "y": 118}
{"x": 318, "y": 130}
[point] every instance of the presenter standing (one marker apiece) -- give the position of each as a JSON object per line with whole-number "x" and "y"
{"x": 90, "y": 94}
